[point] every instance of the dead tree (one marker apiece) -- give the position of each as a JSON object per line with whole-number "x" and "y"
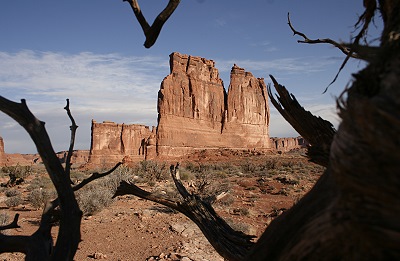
{"x": 39, "y": 245}
{"x": 352, "y": 211}
{"x": 231, "y": 244}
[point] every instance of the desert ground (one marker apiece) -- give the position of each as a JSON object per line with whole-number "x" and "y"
{"x": 255, "y": 189}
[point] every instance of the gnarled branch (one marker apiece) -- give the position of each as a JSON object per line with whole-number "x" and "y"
{"x": 317, "y": 131}
{"x": 69, "y": 232}
{"x": 353, "y": 50}
{"x": 231, "y": 244}
{"x": 342, "y": 47}
{"x": 152, "y": 32}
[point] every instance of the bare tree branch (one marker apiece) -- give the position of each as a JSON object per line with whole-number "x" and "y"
{"x": 69, "y": 232}
{"x": 231, "y": 244}
{"x": 95, "y": 176}
{"x": 353, "y": 50}
{"x": 342, "y": 47}
{"x": 73, "y": 128}
{"x": 152, "y": 32}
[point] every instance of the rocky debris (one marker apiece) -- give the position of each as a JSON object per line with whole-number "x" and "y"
{"x": 98, "y": 255}
{"x": 196, "y": 247}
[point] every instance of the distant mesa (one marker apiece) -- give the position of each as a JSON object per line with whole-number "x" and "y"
{"x": 195, "y": 112}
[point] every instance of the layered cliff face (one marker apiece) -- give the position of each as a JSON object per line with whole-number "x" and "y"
{"x": 112, "y": 142}
{"x": 195, "y": 112}
{"x": 247, "y": 111}
{"x": 191, "y": 105}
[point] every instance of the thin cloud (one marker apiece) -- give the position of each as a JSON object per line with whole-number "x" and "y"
{"x": 106, "y": 87}
{"x": 220, "y": 22}
{"x": 86, "y": 77}
{"x": 99, "y": 86}
{"x": 266, "y": 46}
{"x": 285, "y": 65}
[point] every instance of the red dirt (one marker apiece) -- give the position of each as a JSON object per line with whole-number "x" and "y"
{"x": 136, "y": 229}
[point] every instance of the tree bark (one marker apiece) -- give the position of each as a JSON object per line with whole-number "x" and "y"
{"x": 352, "y": 212}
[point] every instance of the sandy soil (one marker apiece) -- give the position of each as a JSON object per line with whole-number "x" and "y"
{"x": 136, "y": 229}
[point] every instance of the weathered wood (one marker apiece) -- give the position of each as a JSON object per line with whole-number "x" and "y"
{"x": 229, "y": 243}
{"x": 152, "y": 32}
{"x": 317, "y": 131}
{"x": 352, "y": 212}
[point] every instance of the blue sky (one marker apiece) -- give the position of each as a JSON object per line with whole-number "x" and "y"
{"x": 91, "y": 51}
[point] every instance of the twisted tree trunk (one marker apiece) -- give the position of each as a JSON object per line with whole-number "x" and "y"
{"x": 353, "y": 211}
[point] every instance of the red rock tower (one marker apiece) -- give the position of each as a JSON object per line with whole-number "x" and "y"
{"x": 195, "y": 112}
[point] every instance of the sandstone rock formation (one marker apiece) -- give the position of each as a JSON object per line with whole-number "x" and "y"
{"x": 2, "y": 153}
{"x": 195, "y": 112}
{"x": 247, "y": 113}
{"x": 191, "y": 106}
{"x": 287, "y": 144}
{"x": 113, "y": 142}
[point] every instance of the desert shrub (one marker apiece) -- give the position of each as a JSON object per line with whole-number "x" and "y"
{"x": 288, "y": 180}
{"x": 220, "y": 174}
{"x": 208, "y": 189}
{"x": 13, "y": 201}
{"x": 239, "y": 226}
{"x": 18, "y": 171}
{"x": 93, "y": 199}
{"x": 218, "y": 170}
{"x": 249, "y": 167}
{"x": 186, "y": 174}
{"x": 112, "y": 181}
{"x": 12, "y": 193}
{"x": 43, "y": 182}
{"x": 271, "y": 164}
{"x": 77, "y": 176}
{"x": 4, "y": 220}
{"x": 152, "y": 170}
{"x": 38, "y": 197}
